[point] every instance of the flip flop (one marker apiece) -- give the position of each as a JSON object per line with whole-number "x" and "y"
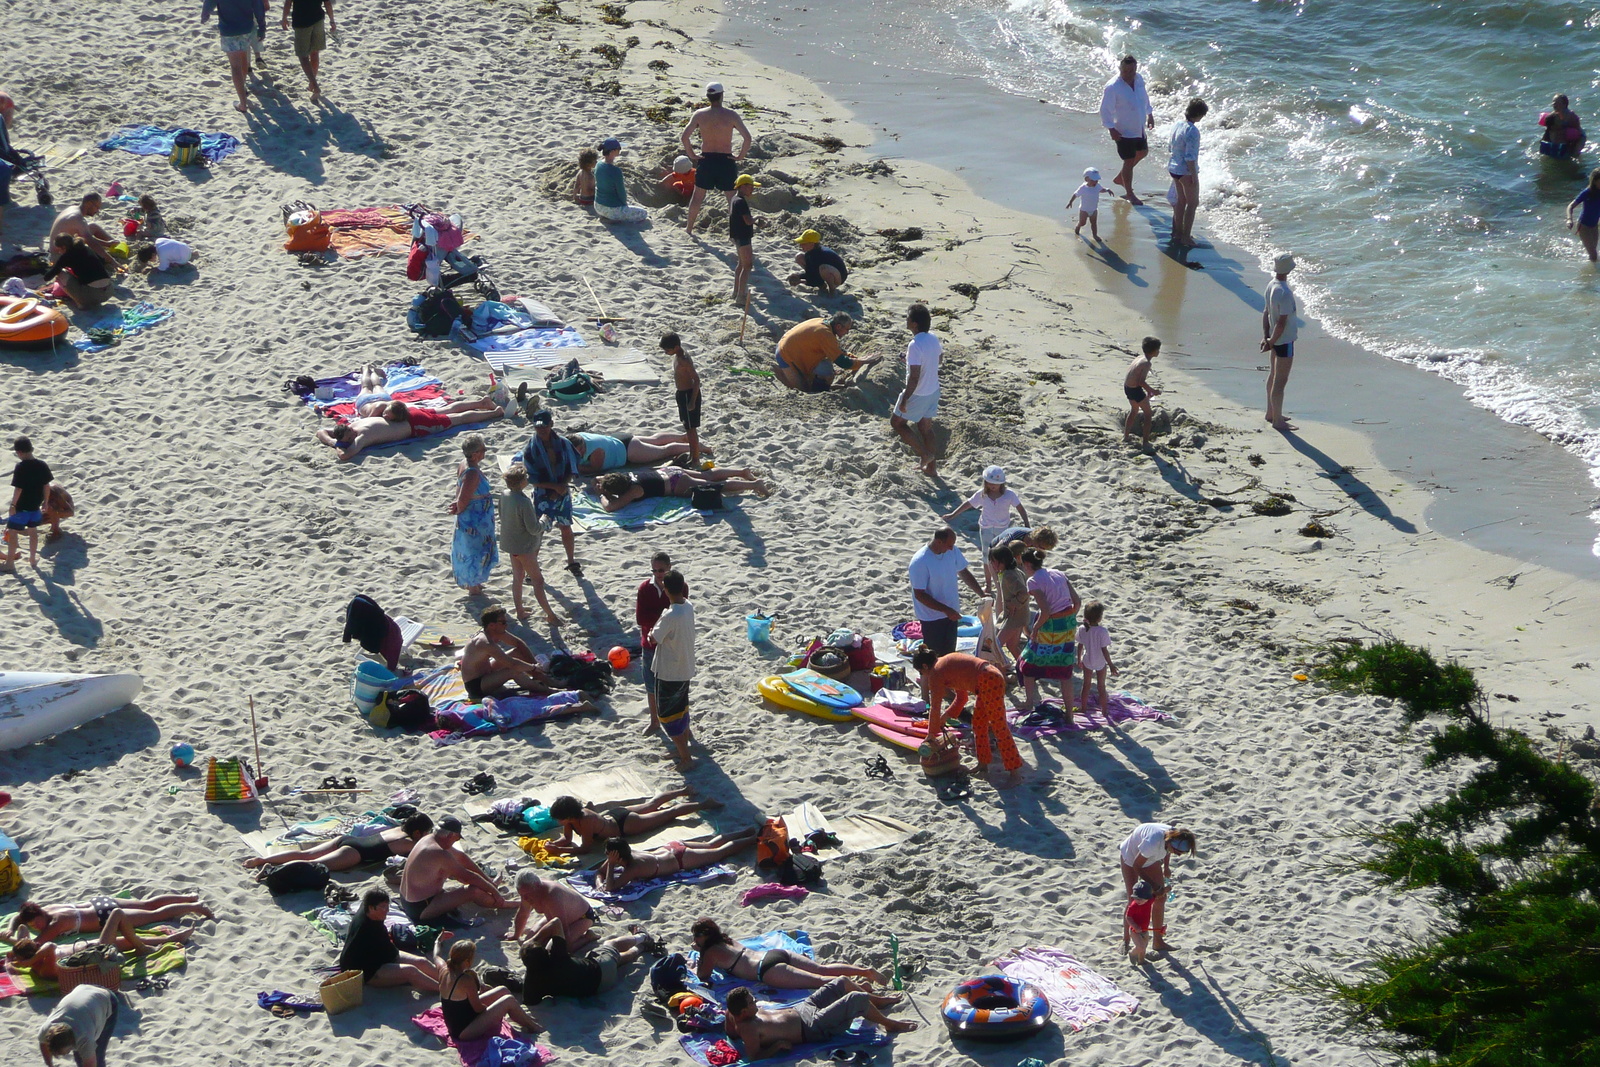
{"x": 954, "y": 791}
{"x": 575, "y": 567}
{"x": 482, "y": 782}
{"x": 878, "y": 767}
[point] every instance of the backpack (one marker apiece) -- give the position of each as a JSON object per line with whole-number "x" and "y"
{"x": 574, "y": 388}
{"x": 706, "y": 498}
{"x": 801, "y": 868}
{"x": 417, "y": 262}
{"x": 594, "y": 676}
{"x": 434, "y": 312}
{"x": 669, "y": 975}
{"x": 297, "y": 877}
{"x": 407, "y": 709}
{"x": 772, "y": 843}
{"x": 186, "y": 149}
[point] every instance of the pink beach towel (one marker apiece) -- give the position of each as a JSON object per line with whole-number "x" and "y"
{"x": 1120, "y": 708}
{"x": 1078, "y": 996}
{"x": 472, "y": 1052}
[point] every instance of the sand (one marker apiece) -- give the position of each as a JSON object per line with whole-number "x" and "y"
{"x": 217, "y": 545}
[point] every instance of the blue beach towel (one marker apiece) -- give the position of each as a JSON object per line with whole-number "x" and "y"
{"x": 583, "y": 882}
{"x": 126, "y": 322}
{"x": 144, "y": 140}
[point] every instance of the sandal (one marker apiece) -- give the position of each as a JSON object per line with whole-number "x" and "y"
{"x": 335, "y": 783}
{"x": 878, "y": 767}
{"x": 482, "y": 782}
{"x": 575, "y": 567}
{"x": 954, "y": 791}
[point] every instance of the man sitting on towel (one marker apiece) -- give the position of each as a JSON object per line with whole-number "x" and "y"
{"x": 397, "y": 422}
{"x": 435, "y": 860}
{"x": 495, "y": 658}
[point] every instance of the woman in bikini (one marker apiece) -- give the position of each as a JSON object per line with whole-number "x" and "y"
{"x": 778, "y": 968}
{"x": 348, "y": 852}
{"x": 52, "y": 921}
{"x": 592, "y": 827}
{"x": 617, "y": 491}
{"x": 40, "y": 958}
{"x": 471, "y": 1012}
{"x": 623, "y": 865}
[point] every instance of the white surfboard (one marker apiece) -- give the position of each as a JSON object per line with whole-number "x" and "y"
{"x": 34, "y": 706}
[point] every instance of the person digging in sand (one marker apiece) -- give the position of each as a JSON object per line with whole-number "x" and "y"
{"x": 347, "y": 852}
{"x": 623, "y": 865}
{"x": 51, "y": 921}
{"x": 823, "y": 1016}
{"x": 820, "y": 266}
{"x": 560, "y": 907}
{"x": 41, "y": 959}
{"x": 592, "y": 828}
{"x": 618, "y": 490}
{"x": 1137, "y": 388}
{"x": 1147, "y": 854}
{"x": 436, "y": 860}
{"x": 778, "y": 968}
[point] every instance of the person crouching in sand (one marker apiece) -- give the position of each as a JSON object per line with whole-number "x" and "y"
{"x": 1146, "y": 855}
{"x": 957, "y": 675}
{"x": 823, "y": 1016}
{"x": 1137, "y": 388}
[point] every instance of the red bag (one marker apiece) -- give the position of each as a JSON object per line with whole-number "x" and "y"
{"x": 417, "y": 262}
{"x": 862, "y": 658}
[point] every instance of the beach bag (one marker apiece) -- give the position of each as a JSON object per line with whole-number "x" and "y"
{"x": 669, "y": 975}
{"x": 940, "y": 756}
{"x": 706, "y": 498}
{"x": 772, "y": 843}
{"x": 574, "y": 388}
{"x": 186, "y": 149}
{"x": 10, "y": 875}
{"x": 307, "y": 232}
{"x": 342, "y": 992}
{"x": 417, "y": 262}
{"x": 800, "y": 868}
{"x": 407, "y": 709}
{"x": 99, "y": 965}
{"x": 229, "y": 781}
{"x": 434, "y": 312}
{"x": 300, "y": 876}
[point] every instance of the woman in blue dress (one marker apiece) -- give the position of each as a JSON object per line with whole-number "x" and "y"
{"x": 473, "y": 553}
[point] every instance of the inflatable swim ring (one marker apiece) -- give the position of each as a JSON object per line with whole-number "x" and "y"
{"x": 26, "y": 323}
{"x": 994, "y": 1007}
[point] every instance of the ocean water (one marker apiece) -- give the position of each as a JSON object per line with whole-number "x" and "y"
{"x": 1389, "y": 143}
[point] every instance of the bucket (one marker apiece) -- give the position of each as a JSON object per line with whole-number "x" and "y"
{"x": 371, "y": 681}
{"x": 758, "y": 628}
{"x": 341, "y": 992}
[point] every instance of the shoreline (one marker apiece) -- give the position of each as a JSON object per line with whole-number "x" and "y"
{"x": 1494, "y": 485}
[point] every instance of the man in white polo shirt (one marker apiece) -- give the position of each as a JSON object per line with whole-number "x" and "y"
{"x": 1125, "y": 112}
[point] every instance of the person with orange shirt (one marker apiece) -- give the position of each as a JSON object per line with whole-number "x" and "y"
{"x": 957, "y": 675}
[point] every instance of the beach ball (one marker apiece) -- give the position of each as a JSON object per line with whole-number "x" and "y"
{"x": 182, "y": 755}
{"x": 619, "y": 658}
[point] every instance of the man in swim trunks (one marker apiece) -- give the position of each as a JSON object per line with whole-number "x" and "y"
{"x": 552, "y": 463}
{"x": 560, "y": 905}
{"x": 618, "y": 490}
{"x": 425, "y": 421}
{"x": 716, "y": 166}
{"x": 823, "y": 1016}
{"x": 778, "y": 968}
{"x": 495, "y": 658}
{"x": 1138, "y": 390}
{"x": 1279, "y": 329}
{"x": 349, "y": 439}
{"x": 592, "y": 827}
{"x": 435, "y": 860}
{"x": 1126, "y": 114}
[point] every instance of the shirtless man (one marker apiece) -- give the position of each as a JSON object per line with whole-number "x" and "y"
{"x": 495, "y": 658}
{"x": 778, "y": 968}
{"x": 75, "y": 220}
{"x": 716, "y": 166}
{"x": 619, "y": 820}
{"x": 349, "y": 439}
{"x": 346, "y": 852}
{"x": 435, "y": 860}
{"x": 562, "y": 907}
{"x": 823, "y": 1016}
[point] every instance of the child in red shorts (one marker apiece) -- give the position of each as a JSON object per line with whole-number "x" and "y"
{"x": 1136, "y": 921}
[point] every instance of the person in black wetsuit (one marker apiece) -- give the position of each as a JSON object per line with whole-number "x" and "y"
{"x": 370, "y": 949}
{"x": 471, "y": 1011}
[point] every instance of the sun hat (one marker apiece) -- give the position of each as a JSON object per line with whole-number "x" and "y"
{"x": 713, "y": 89}
{"x": 995, "y": 474}
{"x": 1282, "y": 263}
{"x": 682, "y": 165}
{"x": 610, "y": 144}
{"x": 809, "y": 237}
{"x": 1091, "y": 175}
{"x": 745, "y": 179}
{"x": 542, "y": 417}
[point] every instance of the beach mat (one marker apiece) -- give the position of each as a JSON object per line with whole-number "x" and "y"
{"x": 266, "y": 842}
{"x": 1078, "y": 996}
{"x": 125, "y": 322}
{"x": 856, "y": 833}
{"x": 584, "y": 882}
{"x": 1120, "y": 708}
{"x": 507, "y": 1049}
{"x": 162, "y": 959}
{"x": 147, "y": 140}
{"x": 602, "y": 789}
{"x": 589, "y": 517}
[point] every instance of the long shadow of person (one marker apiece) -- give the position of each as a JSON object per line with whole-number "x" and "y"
{"x": 1138, "y": 794}
{"x": 632, "y": 238}
{"x": 1207, "y": 1011}
{"x": 1346, "y": 479}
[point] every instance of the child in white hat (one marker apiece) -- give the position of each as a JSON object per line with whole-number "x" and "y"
{"x": 1089, "y": 192}
{"x": 993, "y": 503}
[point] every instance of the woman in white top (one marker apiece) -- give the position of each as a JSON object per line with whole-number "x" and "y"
{"x": 1184, "y": 166}
{"x": 1147, "y": 853}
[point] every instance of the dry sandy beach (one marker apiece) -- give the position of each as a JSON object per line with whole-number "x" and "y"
{"x": 217, "y": 545}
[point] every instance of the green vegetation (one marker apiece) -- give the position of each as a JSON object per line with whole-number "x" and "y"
{"x": 1509, "y": 973}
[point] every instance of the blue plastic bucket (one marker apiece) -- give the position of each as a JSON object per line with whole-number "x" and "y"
{"x": 969, "y": 626}
{"x": 371, "y": 681}
{"x": 758, "y": 628}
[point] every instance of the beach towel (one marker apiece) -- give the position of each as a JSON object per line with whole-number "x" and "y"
{"x": 1120, "y": 707}
{"x": 333, "y": 923}
{"x": 502, "y": 1050}
{"x": 459, "y": 717}
{"x": 409, "y": 384}
{"x": 509, "y": 336}
{"x": 1078, "y": 996}
{"x": 857, "y": 833}
{"x": 583, "y": 882}
{"x": 368, "y": 231}
{"x": 145, "y": 140}
{"x": 163, "y": 958}
{"x": 301, "y": 835}
{"x": 591, "y": 518}
{"x": 124, "y": 322}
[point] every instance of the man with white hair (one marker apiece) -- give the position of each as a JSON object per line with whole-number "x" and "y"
{"x": 559, "y": 904}
{"x": 1278, "y": 333}
{"x": 716, "y": 165}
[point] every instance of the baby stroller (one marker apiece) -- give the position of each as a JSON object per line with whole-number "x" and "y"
{"x": 15, "y": 163}
{"x": 438, "y": 238}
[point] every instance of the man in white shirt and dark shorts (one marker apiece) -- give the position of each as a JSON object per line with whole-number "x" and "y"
{"x": 918, "y": 402}
{"x": 1125, "y": 112}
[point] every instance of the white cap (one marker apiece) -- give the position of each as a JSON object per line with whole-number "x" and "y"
{"x": 1282, "y": 263}
{"x": 682, "y": 165}
{"x": 1091, "y": 175}
{"x": 995, "y": 475}
{"x": 713, "y": 89}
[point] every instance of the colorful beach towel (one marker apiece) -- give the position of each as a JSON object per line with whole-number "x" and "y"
{"x": 124, "y": 322}
{"x": 145, "y": 140}
{"x": 1120, "y": 708}
{"x": 407, "y": 383}
{"x": 502, "y": 1050}
{"x": 583, "y": 882}
{"x": 368, "y": 231}
{"x": 1078, "y": 996}
{"x": 459, "y": 717}
{"x": 163, "y": 958}
{"x": 589, "y": 517}
{"x": 509, "y": 336}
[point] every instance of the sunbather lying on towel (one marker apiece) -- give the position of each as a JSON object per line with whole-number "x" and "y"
{"x": 347, "y": 852}
{"x": 617, "y": 491}
{"x": 399, "y": 422}
{"x": 594, "y": 827}
{"x": 51, "y": 921}
{"x": 623, "y": 865}
{"x": 778, "y": 968}
{"x": 39, "y": 958}
{"x": 823, "y": 1016}
{"x": 599, "y": 452}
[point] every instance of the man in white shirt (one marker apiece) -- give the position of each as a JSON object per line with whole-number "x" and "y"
{"x": 918, "y": 402}
{"x": 673, "y": 665}
{"x": 1125, "y": 113}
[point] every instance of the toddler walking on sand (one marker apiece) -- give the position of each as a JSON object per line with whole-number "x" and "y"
{"x": 1089, "y": 192}
{"x": 1138, "y": 390}
{"x": 1136, "y": 921}
{"x": 1094, "y": 653}
{"x": 993, "y": 503}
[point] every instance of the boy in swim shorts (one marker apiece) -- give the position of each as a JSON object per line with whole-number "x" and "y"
{"x": 686, "y": 380}
{"x": 1139, "y": 391}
